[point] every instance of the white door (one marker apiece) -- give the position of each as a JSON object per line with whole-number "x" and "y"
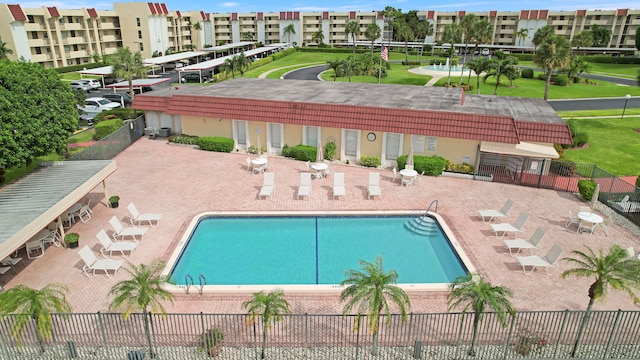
{"x": 392, "y": 148}
{"x": 240, "y": 131}
{"x": 275, "y": 134}
{"x": 350, "y": 145}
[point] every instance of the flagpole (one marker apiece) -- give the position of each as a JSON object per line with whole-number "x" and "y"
{"x": 380, "y": 67}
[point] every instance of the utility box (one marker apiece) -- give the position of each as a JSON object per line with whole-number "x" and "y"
{"x": 152, "y": 133}
{"x": 164, "y": 132}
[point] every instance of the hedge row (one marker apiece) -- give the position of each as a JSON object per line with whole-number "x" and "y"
{"x": 431, "y": 165}
{"x": 218, "y": 144}
{"x": 586, "y": 188}
{"x": 122, "y": 113}
{"x": 72, "y": 68}
{"x": 300, "y": 152}
{"x": 106, "y": 127}
{"x": 280, "y": 55}
{"x": 333, "y": 50}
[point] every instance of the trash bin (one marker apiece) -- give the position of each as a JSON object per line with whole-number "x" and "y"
{"x": 164, "y": 132}
{"x": 150, "y": 132}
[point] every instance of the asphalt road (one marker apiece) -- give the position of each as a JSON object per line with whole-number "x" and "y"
{"x": 310, "y": 73}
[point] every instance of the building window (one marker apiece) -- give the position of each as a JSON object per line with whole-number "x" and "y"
{"x": 63, "y": 34}
{"x": 61, "y": 21}
{"x": 38, "y": 51}
{"x": 311, "y": 135}
{"x": 104, "y": 20}
{"x": 561, "y": 17}
{"x": 30, "y": 18}
{"x": 598, "y": 17}
{"x": 73, "y": 33}
{"x": 139, "y": 34}
{"x": 34, "y": 35}
{"x": 141, "y": 47}
{"x": 138, "y": 21}
{"x": 67, "y": 48}
{"x": 559, "y": 27}
{"x": 69, "y": 19}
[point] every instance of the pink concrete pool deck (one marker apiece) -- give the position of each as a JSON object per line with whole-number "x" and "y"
{"x": 181, "y": 182}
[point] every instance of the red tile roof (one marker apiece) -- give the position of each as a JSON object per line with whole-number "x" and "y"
{"x": 178, "y": 14}
{"x": 17, "y": 13}
{"x": 152, "y": 8}
{"x": 544, "y": 132}
{"x": 53, "y": 11}
{"x": 164, "y": 9}
{"x": 92, "y": 13}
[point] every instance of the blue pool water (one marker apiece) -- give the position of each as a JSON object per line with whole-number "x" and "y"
{"x": 312, "y": 250}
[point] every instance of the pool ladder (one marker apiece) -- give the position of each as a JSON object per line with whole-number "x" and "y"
{"x": 188, "y": 280}
{"x": 424, "y": 225}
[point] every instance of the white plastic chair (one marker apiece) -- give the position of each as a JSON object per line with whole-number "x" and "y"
{"x": 373, "y": 188}
{"x": 338, "y": 185}
{"x": 268, "y": 184}
{"x": 91, "y": 263}
{"x": 137, "y": 218}
{"x": 305, "y": 185}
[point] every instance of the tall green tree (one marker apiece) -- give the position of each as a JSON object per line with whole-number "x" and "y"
{"x": 471, "y": 292}
{"x": 349, "y": 67}
{"x": 499, "y": 68}
{"x": 541, "y": 35}
{"x": 352, "y": 29}
{"x": 335, "y": 65}
{"x": 452, "y": 34}
{"x": 142, "y": 292}
{"x": 27, "y": 304}
{"x": 553, "y": 53}
{"x": 478, "y": 66}
{"x": 37, "y": 112}
{"x": 269, "y": 308}
{"x": 614, "y": 268}
{"x": 601, "y": 36}
{"x": 369, "y": 292}
{"x": 405, "y": 34}
{"x": 288, "y": 30}
{"x": 576, "y": 67}
{"x": 467, "y": 23}
{"x": 372, "y": 33}
{"x": 423, "y": 29}
{"x": 318, "y": 37}
{"x": 197, "y": 27}
{"x": 128, "y": 65}
{"x": 638, "y": 38}
{"x": 482, "y": 34}
{"x": 583, "y": 39}
{"x": 521, "y": 35}
{"x": 4, "y": 50}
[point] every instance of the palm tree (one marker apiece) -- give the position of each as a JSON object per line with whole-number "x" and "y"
{"x": 452, "y": 34}
{"x": 541, "y": 34}
{"x": 472, "y": 292}
{"x": 370, "y": 291}
{"x": 269, "y": 308}
{"x": 4, "y": 50}
{"x": 128, "y": 65}
{"x": 554, "y": 53}
{"x": 335, "y": 66}
{"x": 467, "y": 23}
{"x": 247, "y": 36}
{"x": 499, "y": 68}
{"x": 349, "y": 67}
{"x": 521, "y": 35}
{"x": 28, "y": 304}
{"x": 576, "y": 67}
{"x": 478, "y": 66}
{"x": 614, "y": 268}
{"x": 144, "y": 292}
{"x": 424, "y": 29}
{"x": 197, "y": 27}
{"x": 318, "y": 37}
{"x": 288, "y": 30}
{"x": 353, "y": 29}
{"x": 372, "y": 33}
{"x": 405, "y": 33}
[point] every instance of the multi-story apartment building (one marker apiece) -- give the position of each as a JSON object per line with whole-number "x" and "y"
{"x": 56, "y": 37}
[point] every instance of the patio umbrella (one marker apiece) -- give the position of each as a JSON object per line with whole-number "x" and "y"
{"x": 319, "y": 154}
{"x": 596, "y": 192}
{"x": 410, "y": 156}
{"x": 259, "y": 146}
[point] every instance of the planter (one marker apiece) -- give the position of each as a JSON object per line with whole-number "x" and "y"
{"x": 72, "y": 240}
{"x": 114, "y": 200}
{"x": 485, "y": 177}
{"x": 457, "y": 175}
{"x": 114, "y": 204}
{"x": 73, "y": 245}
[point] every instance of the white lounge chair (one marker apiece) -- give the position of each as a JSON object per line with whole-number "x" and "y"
{"x": 338, "y": 185}
{"x": 517, "y": 226}
{"x": 121, "y": 232}
{"x": 548, "y": 261}
{"x": 137, "y": 218}
{"x": 373, "y": 188}
{"x": 496, "y": 214}
{"x": 531, "y": 244}
{"x": 110, "y": 246}
{"x": 268, "y": 183}
{"x": 305, "y": 185}
{"x": 91, "y": 263}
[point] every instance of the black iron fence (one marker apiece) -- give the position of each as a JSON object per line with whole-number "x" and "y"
{"x": 539, "y": 335}
{"x": 114, "y": 143}
{"x": 616, "y": 193}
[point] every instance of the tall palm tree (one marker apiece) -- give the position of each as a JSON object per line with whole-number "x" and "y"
{"x": 144, "y": 292}
{"x": 288, "y": 30}
{"x": 349, "y": 67}
{"x": 553, "y": 53}
{"x": 352, "y": 28}
{"x": 473, "y": 293}
{"x": 478, "y": 66}
{"x": 197, "y": 27}
{"x": 369, "y": 291}
{"x": 423, "y": 30}
{"x": 4, "y": 50}
{"x": 372, "y": 33}
{"x": 521, "y": 35}
{"x": 318, "y": 37}
{"x": 28, "y": 304}
{"x": 270, "y": 308}
{"x": 128, "y": 65}
{"x": 614, "y": 268}
{"x": 541, "y": 35}
{"x": 500, "y": 68}
{"x": 406, "y": 34}
{"x": 452, "y": 34}
{"x": 467, "y": 23}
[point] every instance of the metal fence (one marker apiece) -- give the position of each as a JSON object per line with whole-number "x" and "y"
{"x": 539, "y": 335}
{"x": 114, "y": 143}
{"x": 564, "y": 176}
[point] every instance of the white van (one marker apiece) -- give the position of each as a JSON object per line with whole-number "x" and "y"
{"x": 485, "y": 52}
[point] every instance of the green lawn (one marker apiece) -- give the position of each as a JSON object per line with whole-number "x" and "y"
{"x": 629, "y": 71}
{"x": 599, "y": 113}
{"x": 614, "y": 144}
{"x": 81, "y": 137}
{"x": 397, "y": 75}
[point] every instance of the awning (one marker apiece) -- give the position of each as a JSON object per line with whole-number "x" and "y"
{"x": 30, "y": 204}
{"x": 138, "y": 83}
{"x": 522, "y": 149}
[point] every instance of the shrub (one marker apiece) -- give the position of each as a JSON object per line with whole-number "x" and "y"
{"x": 330, "y": 150}
{"x": 431, "y": 165}
{"x": 561, "y": 80}
{"x": 464, "y": 168}
{"x": 212, "y": 341}
{"x": 106, "y": 127}
{"x": 218, "y": 144}
{"x": 305, "y": 152}
{"x": 287, "y": 151}
{"x": 122, "y": 113}
{"x": 282, "y": 54}
{"x": 411, "y": 62}
{"x": 527, "y": 73}
{"x": 542, "y": 77}
{"x": 370, "y": 161}
{"x": 638, "y": 181}
{"x": 580, "y": 139}
{"x": 184, "y": 139}
{"x": 586, "y": 188}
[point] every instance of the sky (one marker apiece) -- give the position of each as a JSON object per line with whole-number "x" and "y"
{"x": 247, "y": 6}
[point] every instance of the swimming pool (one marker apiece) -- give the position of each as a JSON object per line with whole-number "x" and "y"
{"x": 314, "y": 249}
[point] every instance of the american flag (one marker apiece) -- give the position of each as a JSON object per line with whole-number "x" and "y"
{"x": 384, "y": 53}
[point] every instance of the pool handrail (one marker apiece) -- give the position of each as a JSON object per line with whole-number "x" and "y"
{"x": 187, "y": 277}
{"x": 203, "y": 282}
{"x": 427, "y": 211}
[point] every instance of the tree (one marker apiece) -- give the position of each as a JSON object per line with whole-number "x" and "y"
{"x": 405, "y": 33}
{"x": 318, "y": 37}
{"x": 372, "y": 33}
{"x": 482, "y": 34}
{"x": 614, "y": 268}
{"x": 128, "y": 65}
{"x": 288, "y": 30}
{"x": 553, "y": 53}
{"x": 541, "y": 35}
{"x": 247, "y": 36}
{"x": 242, "y": 63}
{"x": 144, "y": 292}
{"x": 521, "y": 35}
{"x": 4, "y": 50}
{"x": 37, "y": 112}
{"x": 353, "y": 29}
{"x": 601, "y": 36}
{"x": 335, "y": 66}
{"x": 424, "y": 29}
{"x": 576, "y": 67}
{"x": 473, "y": 293}
{"x": 452, "y": 34}
{"x": 638, "y": 38}
{"x": 28, "y": 304}
{"x": 270, "y": 308}
{"x": 369, "y": 291}
{"x": 584, "y": 39}
{"x": 467, "y": 24}
{"x": 478, "y": 66}
{"x": 197, "y": 27}
{"x": 349, "y": 67}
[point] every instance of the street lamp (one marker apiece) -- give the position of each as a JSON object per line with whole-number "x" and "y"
{"x": 626, "y": 100}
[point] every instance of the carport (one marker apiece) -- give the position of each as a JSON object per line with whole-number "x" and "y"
{"x": 30, "y": 204}
{"x": 230, "y": 48}
{"x": 101, "y": 71}
{"x": 162, "y": 60}
{"x": 137, "y": 83}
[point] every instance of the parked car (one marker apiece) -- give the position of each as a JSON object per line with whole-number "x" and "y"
{"x": 86, "y": 118}
{"x": 112, "y": 80}
{"x": 194, "y": 77}
{"x": 123, "y": 99}
{"x": 485, "y": 52}
{"x": 80, "y": 85}
{"x": 95, "y": 84}
{"x": 139, "y": 90}
{"x": 98, "y": 104}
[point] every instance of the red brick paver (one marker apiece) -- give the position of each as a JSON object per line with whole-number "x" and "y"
{"x": 181, "y": 182}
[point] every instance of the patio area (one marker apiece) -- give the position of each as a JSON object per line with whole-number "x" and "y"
{"x": 180, "y": 182}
